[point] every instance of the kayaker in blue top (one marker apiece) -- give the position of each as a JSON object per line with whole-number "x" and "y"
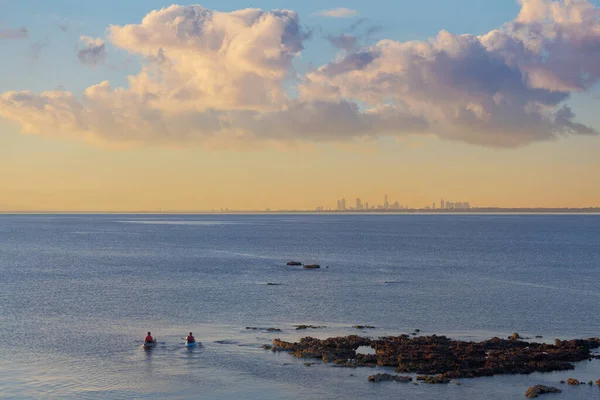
{"x": 190, "y": 338}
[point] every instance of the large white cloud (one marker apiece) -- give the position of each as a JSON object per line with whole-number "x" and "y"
{"x": 210, "y": 76}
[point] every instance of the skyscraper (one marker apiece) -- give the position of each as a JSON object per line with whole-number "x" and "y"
{"x": 385, "y": 202}
{"x": 358, "y": 204}
{"x": 343, "y": 204}
{"x": 442, "y": 204}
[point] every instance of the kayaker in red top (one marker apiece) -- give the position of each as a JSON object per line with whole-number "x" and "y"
{"x": 190, "y": 338}
{"x": 149, "y": 338}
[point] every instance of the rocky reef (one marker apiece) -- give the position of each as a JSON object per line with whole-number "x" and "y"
{"x": 536, "y": 390}
{"x": 438, "y": 358}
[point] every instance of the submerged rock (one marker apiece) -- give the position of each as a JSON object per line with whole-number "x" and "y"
{"x": 312, "y": 266}
{"x": 254, "y": 328}
{"x": 389, "y": 378}
{"x": 433, "y": 379}
{"x": 536, "y": 390}
{"x": 442, "y": 356}
{"x": 363, "y": 327}
{"x": 301, "y": 327}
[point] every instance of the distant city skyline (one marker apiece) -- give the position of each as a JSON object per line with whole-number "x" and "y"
{"x": 342, "y": 205}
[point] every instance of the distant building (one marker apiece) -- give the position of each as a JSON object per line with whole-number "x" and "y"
{"x": 433, "y": 206}
{"x": 358, "y": 204}
{"x": 366, "y": 205}
{"x": 385, "y": 202}
{"x": 396, "y": 206}
{"x": 343, "y": 204}
{"x": 442, "y": 204}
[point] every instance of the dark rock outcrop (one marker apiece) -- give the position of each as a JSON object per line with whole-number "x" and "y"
{"x": 312, "y": 266}
{"x": 363, "y": 327}
{"x": 439, "y": 355}
{"x": 572, "y": 381}
{"x": 294, "y": 263}
{"x": 536, "y": 390}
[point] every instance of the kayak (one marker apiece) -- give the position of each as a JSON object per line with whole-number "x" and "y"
{"x": 148, "y": 346}
{"x": 192, "y": 344}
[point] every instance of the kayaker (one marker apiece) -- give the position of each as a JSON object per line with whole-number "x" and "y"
{"x": 149, "y": 338}
{"x": 190, "y": 338}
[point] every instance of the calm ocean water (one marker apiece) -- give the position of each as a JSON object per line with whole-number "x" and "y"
{"x": 79, "y": 292}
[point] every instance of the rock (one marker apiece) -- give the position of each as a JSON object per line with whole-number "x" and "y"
{"x": 294, "y": 263}
{"x": 572, "y": 381}
{"x": 539, "y": 337}
{"x": 515, "y": 336}
{"x": 417, "y": 330}
{"x": 273, "y": 284}
{"x": 598, "y": 382}
{"x": 438, "y": 355}
{"x": 255, "y": 328}
{"x": 312, "y": 266}
{"x": 301, "y": 327}
{"x": 363, "y": 327}
{"x": 590, "y": 383}
{"x": 433, "y": 379}
{"x": 563, "y": 382}
{"x": 536, "y": 390}
{"x": 389, "y": 378}
{"x": 267, "y": 347}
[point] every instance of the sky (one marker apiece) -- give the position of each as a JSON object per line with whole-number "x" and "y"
{"x": 148, "y": 105}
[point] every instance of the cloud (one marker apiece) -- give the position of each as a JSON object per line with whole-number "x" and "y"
{"x": 9, "y": 34}
{"x": 223, "y": 79}
{"x": 36, "y": 49}
{"x": 92, "y": 51}
{"x": 343, "y": 41}
{"x": 340, "y": 12}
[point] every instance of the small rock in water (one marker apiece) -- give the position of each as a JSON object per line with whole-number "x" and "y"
{"x": 598, "y": 382}
{"x": 300, "y": 327}
{"x": 267, "y": 347}
{"x": 433, "y": 379}
{"x": 539, "y": 337}
{"x": 417, "y": 330}
{"x": 572, "y": 381}
{"x": 273, "y": 330}
{"x": 363, "y": 327}
{"x": 515, "y": 336}
{"x": 273, "y": 284}
{"x": 536, "y": 390}
{"x": 294, "y": 263}
{"x": 312, "y": 266}
{"x": 389, "y": 378}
